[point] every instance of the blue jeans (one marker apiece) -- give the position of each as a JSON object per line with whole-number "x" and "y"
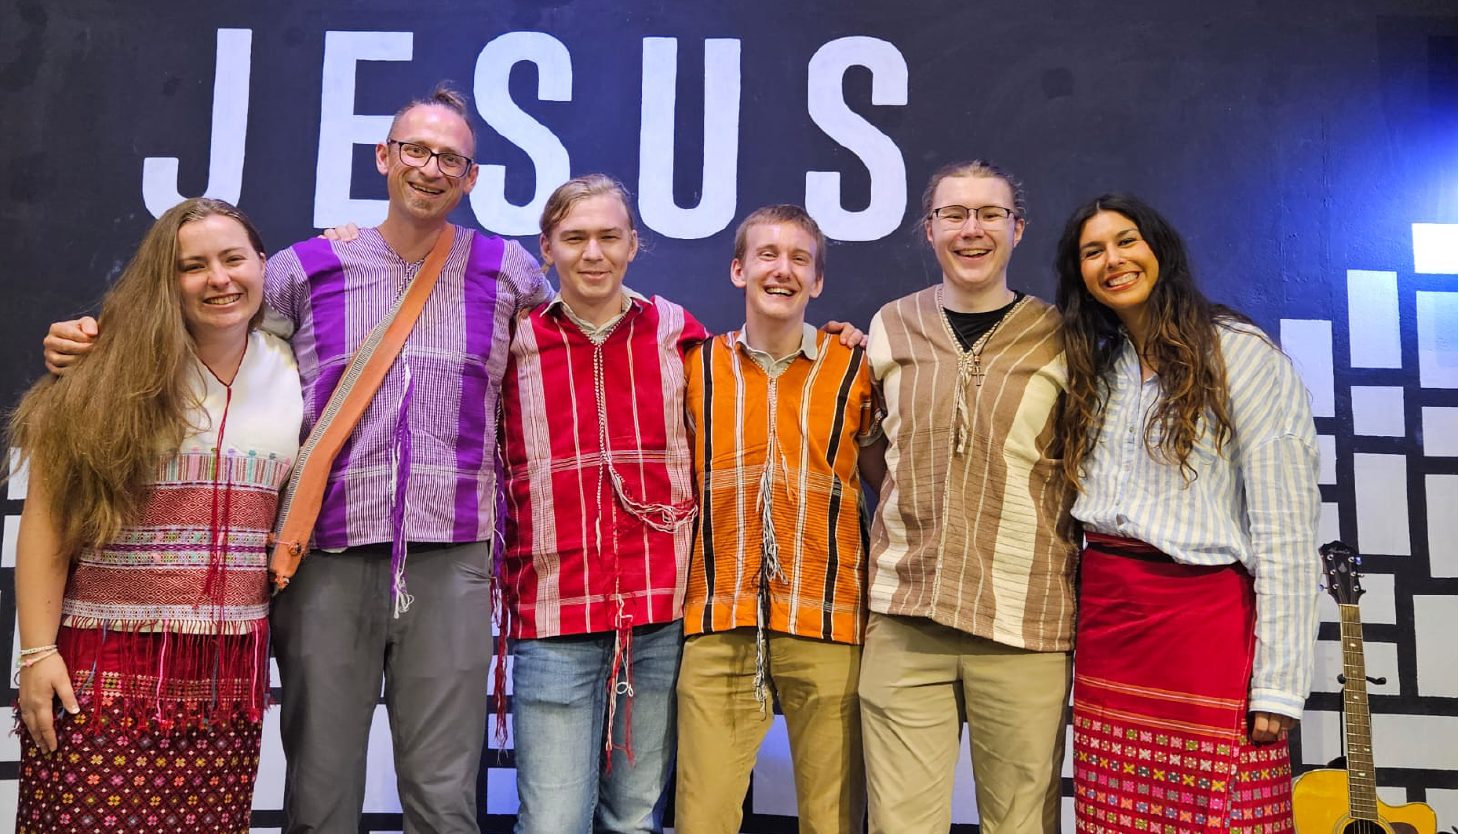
{"x": 559, "y": 712}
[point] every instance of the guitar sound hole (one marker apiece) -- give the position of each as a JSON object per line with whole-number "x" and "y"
{"x": 1363, "y": 827}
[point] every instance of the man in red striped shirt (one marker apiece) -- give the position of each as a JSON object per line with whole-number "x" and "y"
{"x": 600, "y": 517}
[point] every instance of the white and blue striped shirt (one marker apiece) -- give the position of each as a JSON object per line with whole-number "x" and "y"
{"x": 1256, "y": 503}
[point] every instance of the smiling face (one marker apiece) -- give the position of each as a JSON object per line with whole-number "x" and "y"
{"x": 777, "y": 271}
{"x": 974, "y": 257}
{"x": 1118, "y": 266}
{"x": 591, "y": 248}
{"x": 425, "y": 195}
{"x": 220, "y": 276}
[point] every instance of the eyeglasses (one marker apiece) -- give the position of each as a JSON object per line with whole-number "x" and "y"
{"x": 988, "y": 216}
{"x": 419, "y": 156}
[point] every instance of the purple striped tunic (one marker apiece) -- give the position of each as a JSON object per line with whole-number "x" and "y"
{"x": 441, "y": 393}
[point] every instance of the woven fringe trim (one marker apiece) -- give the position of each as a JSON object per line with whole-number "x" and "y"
{"x": 167, "y": 678}
{"x": 209, "y": 627}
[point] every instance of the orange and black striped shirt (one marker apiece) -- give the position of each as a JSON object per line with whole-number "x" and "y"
{"x": 775, "y": 468}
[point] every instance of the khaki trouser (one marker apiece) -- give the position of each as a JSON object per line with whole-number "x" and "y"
{"x": 916, "y": 678}
{"x": 721, "y": 727}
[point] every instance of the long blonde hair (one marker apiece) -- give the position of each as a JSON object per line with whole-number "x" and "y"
{"x": 93, "y": 436}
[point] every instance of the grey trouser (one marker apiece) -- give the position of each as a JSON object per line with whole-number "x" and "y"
{"x": 334, "y": 638}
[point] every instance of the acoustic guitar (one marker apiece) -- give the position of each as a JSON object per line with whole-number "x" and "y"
{"x": 1332, "y": 801}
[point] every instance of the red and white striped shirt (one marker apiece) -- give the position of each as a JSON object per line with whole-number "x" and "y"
{"x": 599, "y": 485}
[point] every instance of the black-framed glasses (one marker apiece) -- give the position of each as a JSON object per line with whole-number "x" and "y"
{"x": 989, "y": 216}
{"x": 419, "y": 156}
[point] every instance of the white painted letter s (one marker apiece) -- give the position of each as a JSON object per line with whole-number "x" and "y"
{"x": 878, "y": 152}
{"x": 494, "y": 103}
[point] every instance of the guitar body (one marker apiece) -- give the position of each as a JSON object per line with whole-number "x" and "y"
{"x": 1320, "y": 806}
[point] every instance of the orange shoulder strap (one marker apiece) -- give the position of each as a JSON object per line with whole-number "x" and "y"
{"x": 299, "y": 508}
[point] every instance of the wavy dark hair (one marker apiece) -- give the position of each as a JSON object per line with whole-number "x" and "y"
{"x": 1181, "y": 344}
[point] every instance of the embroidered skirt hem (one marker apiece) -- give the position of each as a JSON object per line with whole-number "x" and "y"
{"x": 1162, "y": 669}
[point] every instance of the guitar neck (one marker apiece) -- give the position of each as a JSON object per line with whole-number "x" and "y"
{"x": 1358, "y": 733}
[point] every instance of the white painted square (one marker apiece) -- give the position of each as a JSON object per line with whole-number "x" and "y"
{"x": 265, "y": 831}
{"x": 1436, "y": 250}
{"x": 510, "y": 741}
{"x": 1441, "y": 431}
{"x": 1373, "y": 333}
{"x": 8, "y": 539}
{"x": 1378, "y": 410}
{"x": 1441, "y": 495}
{"x": 1329, "y": 523}
{"x": 1438, "y": 339}
{"x": 1326, "y": 459}
{"x": 773, "y": 776}
{"x": 501, "y": 791}
{"x": 1434, "y": 619}
{"x": 1380, "y": 660}
{"x": 1445, "y": 803}
{"x": 380, "y": 794}
{"x": 273, "y": 672}
{"x": 491, "y": 681}
{"x": 1392, "y": 794}
{"x": 1380, "y": 483}
{"x": 268, "y": 791}
{"x": 9, "y": 801}
{"x": 19, "y": 477}
{"x": 1320, "y": 737}
{"x": 1309, "y": 343}
{"x": 1415, "y": 741}
{"x": 1402, "y": 741}
{"x": 1376, "y": 603}
{"x": 1066, "y": 815}
{"x": 964, "y": 792}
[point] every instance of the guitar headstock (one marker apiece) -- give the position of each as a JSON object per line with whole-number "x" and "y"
{"x": 1340, "y": 569}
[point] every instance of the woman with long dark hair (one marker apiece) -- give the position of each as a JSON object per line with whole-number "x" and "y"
{"x": 154, "y": 469}
{"x": 1190, "y": 440}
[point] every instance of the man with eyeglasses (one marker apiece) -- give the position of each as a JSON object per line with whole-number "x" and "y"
{"x": 399, "y": 583}
{"x": 971, "y": 569}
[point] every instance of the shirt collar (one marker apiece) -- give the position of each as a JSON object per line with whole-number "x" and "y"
{"x": 808, "y": 343}
{"x": 629, "y": 297}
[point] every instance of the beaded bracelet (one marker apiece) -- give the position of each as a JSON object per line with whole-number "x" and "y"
{"x": 36, "y": 650}
{"x": 27, "y": 662}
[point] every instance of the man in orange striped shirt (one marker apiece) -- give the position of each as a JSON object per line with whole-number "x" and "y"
{"x": 776, "y": 603}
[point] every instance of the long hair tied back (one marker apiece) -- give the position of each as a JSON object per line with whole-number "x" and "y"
{"x": 93, "y": 437}
{"x": 1182, "y": 345}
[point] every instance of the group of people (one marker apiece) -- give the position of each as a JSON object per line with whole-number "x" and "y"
{"x": 675, "y": 524}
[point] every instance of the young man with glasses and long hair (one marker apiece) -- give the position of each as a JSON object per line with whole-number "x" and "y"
{"x": 971, "y": 574}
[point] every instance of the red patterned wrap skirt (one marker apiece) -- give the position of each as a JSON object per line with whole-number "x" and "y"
{"x": 167, "y": 740}
{"x": 1162, "y": 668}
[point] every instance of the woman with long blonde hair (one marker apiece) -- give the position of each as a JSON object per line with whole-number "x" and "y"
{"x": 154, "y": 468}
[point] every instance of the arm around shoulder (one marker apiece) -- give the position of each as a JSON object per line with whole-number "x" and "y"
{"x": 526, "y": 278}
